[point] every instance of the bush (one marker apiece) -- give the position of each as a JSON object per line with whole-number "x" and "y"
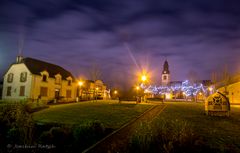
{"x": 32, "y": 107}
{"x": 76, "y": 137}
{"x": 16, "y": 125}
{"x": 88, "y": 133}
{"x": 59, "y": 136}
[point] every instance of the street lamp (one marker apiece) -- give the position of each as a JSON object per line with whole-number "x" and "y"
{"x": 80, "y": 84}
{"x": 96, "y": 92}
{"x": 137, "y": 88}
{"x": 210, "y": 90}
{"x": 144, "y": 78}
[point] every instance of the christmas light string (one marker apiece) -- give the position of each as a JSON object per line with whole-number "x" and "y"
{"x": 185, "y": 87}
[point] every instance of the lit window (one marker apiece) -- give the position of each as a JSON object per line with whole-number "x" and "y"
{"x": 22, "y": 91}
{"x": 23, "y": 77}
{"x": 10, "y": 78}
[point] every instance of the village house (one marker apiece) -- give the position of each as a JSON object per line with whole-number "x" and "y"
{"x": 30, "y": 79}
{"x": 94, "y": 90}
{"x": 230, "y": 86}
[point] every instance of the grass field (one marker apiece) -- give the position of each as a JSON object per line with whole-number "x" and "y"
{"x": 110, "y": 113}
{"x": 218, "y": 132}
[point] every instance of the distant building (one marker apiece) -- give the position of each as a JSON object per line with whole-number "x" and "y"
{"x": 34, "y": 80}
{"x": 165, "y": 74}
{"x": 167, "y": 84}
{"x": 95, "y": 90}
{"x": 231, "y": 88}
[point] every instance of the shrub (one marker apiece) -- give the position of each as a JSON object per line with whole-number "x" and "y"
{"x": 16, "y": 125}
{"x": 56, "y": 135}
{"x": 88, "y": 133}
{"x": 32, "y": 107}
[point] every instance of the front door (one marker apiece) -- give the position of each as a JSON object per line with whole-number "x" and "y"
{"x": 57, "y": 94}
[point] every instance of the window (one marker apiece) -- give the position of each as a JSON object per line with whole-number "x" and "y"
{"x": 10, "y": 78}
{"x": 22, "y": 91}
{"x": 58, "y": 80}
{"x": 165, "y": 77}
{"x": 23, "y": 77}
{"x": 9, "y": 91}
{"x": 44, "y": 78}
{"x": 43, "y": 91}
{"x": 69, "y": 82}
{"x": 68, "y": 94}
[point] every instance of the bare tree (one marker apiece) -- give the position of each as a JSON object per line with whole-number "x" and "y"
{"x": 192, "y": 76}
{"x": 226, "y": 77}
{"x": 214, "y": 78}
{"x": 95, "y": 72}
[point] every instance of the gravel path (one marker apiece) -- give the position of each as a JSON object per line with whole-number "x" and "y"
{"x": 119, "y": 139}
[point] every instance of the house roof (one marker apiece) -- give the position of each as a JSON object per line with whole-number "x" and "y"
{"x": 36, "y": 67}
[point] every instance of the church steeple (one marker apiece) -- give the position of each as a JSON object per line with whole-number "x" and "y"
{"x": 165, "y": 74}
{"x": 165, "y": 68}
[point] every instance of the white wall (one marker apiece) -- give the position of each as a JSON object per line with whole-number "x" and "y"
{"x": 17, "y": 69}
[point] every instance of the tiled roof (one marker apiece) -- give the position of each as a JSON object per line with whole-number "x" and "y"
{"x": 36, "y": 67}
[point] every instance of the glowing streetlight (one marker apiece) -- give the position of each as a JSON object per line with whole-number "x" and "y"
{"x": 210, "y": 89}
{"x": 115, "y": 92}
{"x": 137, "y": 88}
{"x": 96, "y": 93}
{"x": 144, "y": 78}
{"x": 80, "y": 84}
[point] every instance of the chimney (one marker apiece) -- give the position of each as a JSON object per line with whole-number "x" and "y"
{"x": 19, "y": 59}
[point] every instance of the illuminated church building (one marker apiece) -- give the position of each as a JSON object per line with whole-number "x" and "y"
{"x": 166, "y": 82}
{"x": 165, "y": 74}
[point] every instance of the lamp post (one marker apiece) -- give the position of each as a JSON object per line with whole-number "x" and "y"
{"x": 144, "y": 79}
{"x": 96, "y": 94}
{"x": 116, "y": 93}
{"x": 210, "y": 89}
{"x": 80, "y": 84}
{"x": 137, "y": 88}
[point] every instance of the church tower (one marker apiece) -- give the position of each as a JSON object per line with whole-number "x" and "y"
{"x": 165, "y": 74}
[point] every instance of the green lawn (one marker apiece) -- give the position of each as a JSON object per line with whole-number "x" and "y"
{"x": 110, "y": 113}
{"x": 216, "y": 131}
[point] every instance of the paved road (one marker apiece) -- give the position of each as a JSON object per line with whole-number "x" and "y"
{"x": 118, "y": 141}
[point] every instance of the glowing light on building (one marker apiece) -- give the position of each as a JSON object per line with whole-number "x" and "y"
{"x": 186, "y": 88}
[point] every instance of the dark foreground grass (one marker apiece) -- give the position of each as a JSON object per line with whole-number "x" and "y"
{"x": 218, "y": 132}
{"x": 183, "y": 127}
{"x": 110, "y": 114}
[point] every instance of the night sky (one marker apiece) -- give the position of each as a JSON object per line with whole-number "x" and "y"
{"x": 122, "y": 37}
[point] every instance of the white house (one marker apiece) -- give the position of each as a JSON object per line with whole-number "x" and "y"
{"x": 31, "y": 79}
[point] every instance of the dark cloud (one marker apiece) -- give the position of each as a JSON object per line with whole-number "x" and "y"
{"x": 122, "y": 37}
